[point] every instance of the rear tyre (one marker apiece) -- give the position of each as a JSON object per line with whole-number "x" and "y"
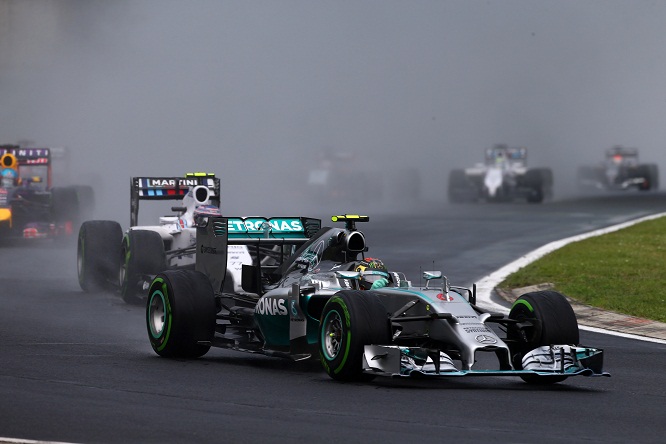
{"x": 350, "y": 320}
{"x": 536, "y": 181}
{"x": 97, "y": 253}
{"x": 180, "y": 314}
{"x": 142, "y": 256}
{"x": 553, "y": 322}
{"x": 650, "y": 173}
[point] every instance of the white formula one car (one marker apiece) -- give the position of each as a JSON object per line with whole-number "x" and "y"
{"x": 503, "y": 177}
{"x": 107, "y": 259}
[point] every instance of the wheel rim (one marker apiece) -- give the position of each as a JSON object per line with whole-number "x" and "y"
{"x": 157, "y": 313}
{"x": 332, "y": 334}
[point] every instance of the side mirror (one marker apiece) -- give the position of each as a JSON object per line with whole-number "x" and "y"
{"x": 428, "y": 275}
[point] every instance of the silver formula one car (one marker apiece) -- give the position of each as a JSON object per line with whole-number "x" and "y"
{"x": 305, "y": 295}
{"x": 621, "y": 170}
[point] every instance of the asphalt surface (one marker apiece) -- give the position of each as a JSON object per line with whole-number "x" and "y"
{"x": 78, "y": 367}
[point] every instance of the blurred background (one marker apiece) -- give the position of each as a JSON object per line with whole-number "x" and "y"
{"x": 266, "y": 94}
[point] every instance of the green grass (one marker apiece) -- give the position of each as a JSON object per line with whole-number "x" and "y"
{"x": 623, "y": 271}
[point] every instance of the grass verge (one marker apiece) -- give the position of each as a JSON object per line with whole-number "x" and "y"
{"x": 623, "y": 271}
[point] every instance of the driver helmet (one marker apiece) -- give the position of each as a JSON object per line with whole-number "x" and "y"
{"x": 372, "y": 270}
{"x": 9, "y": 177}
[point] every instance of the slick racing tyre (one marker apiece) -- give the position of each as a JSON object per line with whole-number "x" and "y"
{"x": 97, "y": 254}
{"x": 350, "y": 320}
{"x": 539, "y": 181}
{"x": 142, "y": 256}
{"x": 552, "y": 320}
{"x": 650, "y": 173}
{"x": 180, "y": 313}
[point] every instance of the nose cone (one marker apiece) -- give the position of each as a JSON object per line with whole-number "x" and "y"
{"x": 493, "y": 180}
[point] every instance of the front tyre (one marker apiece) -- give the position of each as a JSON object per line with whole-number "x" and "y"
{"x": 350, "y": 320}
{"x": 553, "y": 322}
{"x": 180, "y": 314}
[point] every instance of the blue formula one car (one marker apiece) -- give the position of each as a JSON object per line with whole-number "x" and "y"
{"x": 312, "y": 291}
{"x": 31, "y": 206}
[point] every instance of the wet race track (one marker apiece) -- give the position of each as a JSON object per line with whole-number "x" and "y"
{"x": 78, "y": 367}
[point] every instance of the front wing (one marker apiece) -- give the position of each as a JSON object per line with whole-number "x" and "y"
{"x": 555, "y": 360}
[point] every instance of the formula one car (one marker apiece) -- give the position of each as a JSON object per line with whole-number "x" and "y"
{"x": 503, "y": 177}
{"x": 107, "y": 259}
{"x": 338, "y": 177}
{"x": 30, "y": 206}
{"x": 306, "y": 294}
{"x": 620, "y": 170}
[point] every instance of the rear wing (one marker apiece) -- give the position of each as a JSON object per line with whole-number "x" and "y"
{"x": 28, "y": 156}
{"x": 269, "y": 240}
{"x": 169, "y": 188}
{"x": 621, "y": 151}
{"x": 506, "y": 152}
{"x": 248, "y": 228}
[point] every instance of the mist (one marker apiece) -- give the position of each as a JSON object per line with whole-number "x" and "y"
{"x": 255, "y": 91}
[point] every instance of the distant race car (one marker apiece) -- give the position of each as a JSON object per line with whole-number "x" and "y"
{"x": 503, "y": 177}
{"x": 31, "y": 207}
{"x": 620, "y": 170}
{"x": 311, "y": 291}
{"x": 360, "y": 178}
{"x": 107, "y": 259}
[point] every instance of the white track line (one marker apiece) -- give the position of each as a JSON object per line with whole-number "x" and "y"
{"x": 486, "y": 285}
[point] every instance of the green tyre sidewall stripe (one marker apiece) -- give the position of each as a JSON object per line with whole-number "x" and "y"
{"x": 160, "y": 342}
{"x": 347, "y": 345}
{"x": 525, "y": 303}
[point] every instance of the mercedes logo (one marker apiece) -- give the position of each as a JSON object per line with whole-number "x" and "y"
{"x": 485, "y": 339}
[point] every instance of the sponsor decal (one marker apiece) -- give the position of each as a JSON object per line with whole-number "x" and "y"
{"x": 171, "y": 183}
{"x": 271, "y": 306}
{"x": 260, "y": 224}
{"x": 28, "y": 153}
{"x": 445, "y": 297}
{"x": 486, "y": 339}
{"x": 208, "y": 250}
{"x": 480, "y": 329}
